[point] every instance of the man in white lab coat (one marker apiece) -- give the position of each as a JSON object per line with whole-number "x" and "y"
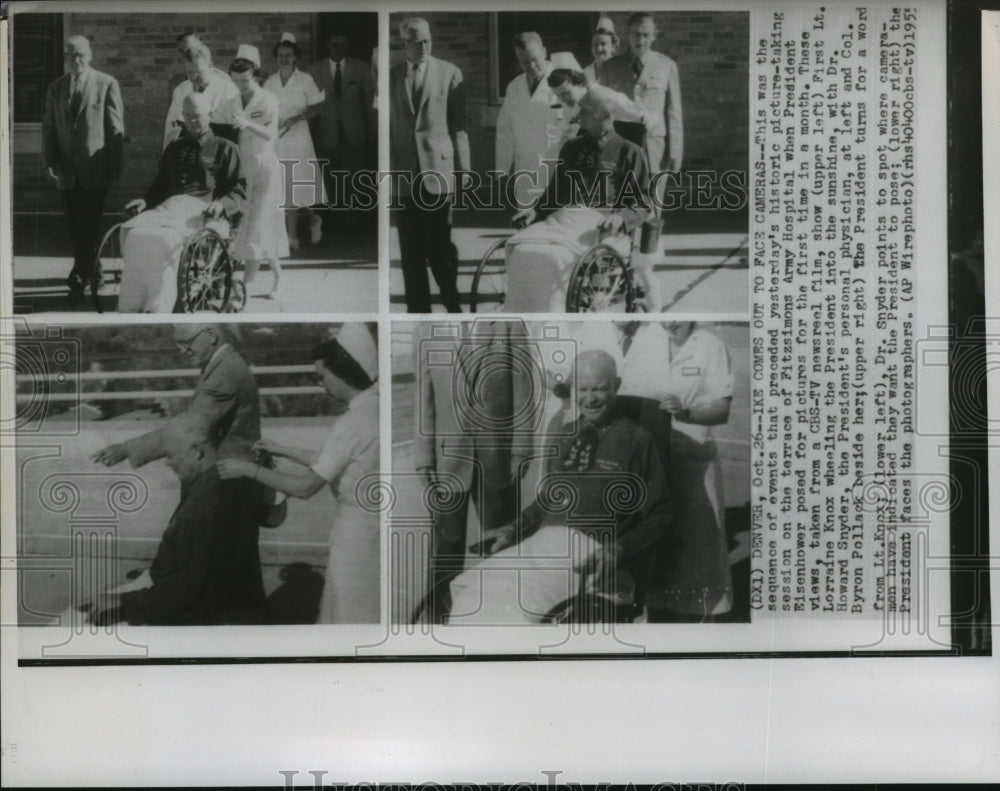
{"x": 532, "y": 121}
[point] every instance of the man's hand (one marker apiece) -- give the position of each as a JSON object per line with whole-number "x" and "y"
{"x": 428, "y": 475}
{"x": 599, "y": 568}
{"x": 523, "y": 219}
{"x": 674, "y": 164}
{"x": 50, "y": 172}
{"x": 214, "y": 209}
{"x": 672, "y": 404}
{"x": 495, "y": 540}
{"x": 134, "y": 207}
{"x": 111, "y": 455}
{"x": 235, "y": 468}
{"x": 612, "y": 224}
{"x": 239, "y": 121}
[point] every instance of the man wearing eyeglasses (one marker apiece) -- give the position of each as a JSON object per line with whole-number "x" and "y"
{"x": 225, "y": 396}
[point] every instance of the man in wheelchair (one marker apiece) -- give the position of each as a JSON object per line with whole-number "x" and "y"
{"x": 588, "y": 541}
{"x": 198, "y": 179}
{"x": 598, "y": 192}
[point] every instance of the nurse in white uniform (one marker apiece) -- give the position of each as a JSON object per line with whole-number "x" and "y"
{"x": 349, "y": 462}
{"x": 298, "y": 100}
{"x": 603, "y": 45}
{"x": 261, "y": 238}
{"x": 699, "y": 585}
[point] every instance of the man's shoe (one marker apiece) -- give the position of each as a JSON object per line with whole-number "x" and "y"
{"x": 76, "y": 286}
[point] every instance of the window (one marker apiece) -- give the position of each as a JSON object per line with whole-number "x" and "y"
{"x": 37, "y": 60}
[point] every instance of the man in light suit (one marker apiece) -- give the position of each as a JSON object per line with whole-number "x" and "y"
{"x": 651, "y": 80}
{"x": 428, "y": 139}
{"x": 82, "y": 133}
{"x": 532, "y": 122}
{"x": 475, "y": 430}
{"x": 346, "y": 119}
{"x": 225, "y": 397}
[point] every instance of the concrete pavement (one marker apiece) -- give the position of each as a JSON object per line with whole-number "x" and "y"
{"x": 338, "y": 275}
{"x": 700, "y": 272}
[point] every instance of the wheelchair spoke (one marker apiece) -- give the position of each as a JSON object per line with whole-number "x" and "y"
{"x": 602, "y": 283}
{"x": 207, "y": 273}
{"x": 489, "y": 285}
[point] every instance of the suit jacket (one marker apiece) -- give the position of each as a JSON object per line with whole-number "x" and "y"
{"x": 431, "y": 137}
{"x": 658, "y": 90}
{"x": 88, "y": 147}
{"x": 225, "y": 395}
{"x": 530, "y": 128}
{"x": 351, "y": 111}
{"x": 463, "y": 419}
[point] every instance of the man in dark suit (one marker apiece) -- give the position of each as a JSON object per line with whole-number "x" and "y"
{"x": 82, "y": 133}
{"x": 346, "y": 121}
{"x": 474, "y": 433}
{"x": 225, "y": 397}
{"x": 428, "y": 139}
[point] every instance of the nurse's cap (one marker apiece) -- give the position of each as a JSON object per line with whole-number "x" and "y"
{"x": 250, "y": 53}
{"x": 357, "y": 341}
{"x": 287, "y": 38}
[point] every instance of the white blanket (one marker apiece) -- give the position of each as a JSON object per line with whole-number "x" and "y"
{"x": 540, "y": 258}
{"x": 151, "y": 247}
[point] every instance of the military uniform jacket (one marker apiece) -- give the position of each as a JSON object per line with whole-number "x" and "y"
{"x": 617, "y": 478}
{"x": 209, "y": 166}
{"x": 586, "y": 165}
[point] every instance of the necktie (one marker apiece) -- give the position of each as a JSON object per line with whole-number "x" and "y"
{"x": 75, "y": 97}
{"x": 636, "y": 68}
{"x": 626, "y": 344}
{"x": 417, "y": 91}
{"x": 336, "y": 81}
{"x": 532, "y": 87}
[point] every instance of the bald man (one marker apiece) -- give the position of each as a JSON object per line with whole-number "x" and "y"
{"x": 82, "y": 133}
{"x": 601, "y": 514}
{"x": 599, "y": 191}
{"x": 198, "y": 177}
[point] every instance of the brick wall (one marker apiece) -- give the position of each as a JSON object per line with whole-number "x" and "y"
{"x": 138, "y": 49}
{"x": 711, "y": 49}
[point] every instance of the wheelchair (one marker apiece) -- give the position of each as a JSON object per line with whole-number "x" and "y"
{"x": 208, "y": 277}
{"x": 601, "y": 281}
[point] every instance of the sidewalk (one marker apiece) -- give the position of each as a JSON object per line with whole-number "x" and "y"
{"x": 46, "y": 534}
{"x": 338, "y": 275}
{"x": 701, "y": 272}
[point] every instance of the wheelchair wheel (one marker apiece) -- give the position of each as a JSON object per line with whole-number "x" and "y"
{"x": 489, "y": 285}
{"x": 601, "y": 283}
{"x": 205, "y": 274}
{"x": 110, "y": 260}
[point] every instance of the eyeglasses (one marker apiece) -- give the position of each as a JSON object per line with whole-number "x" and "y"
{"x": 185, "y": 346}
